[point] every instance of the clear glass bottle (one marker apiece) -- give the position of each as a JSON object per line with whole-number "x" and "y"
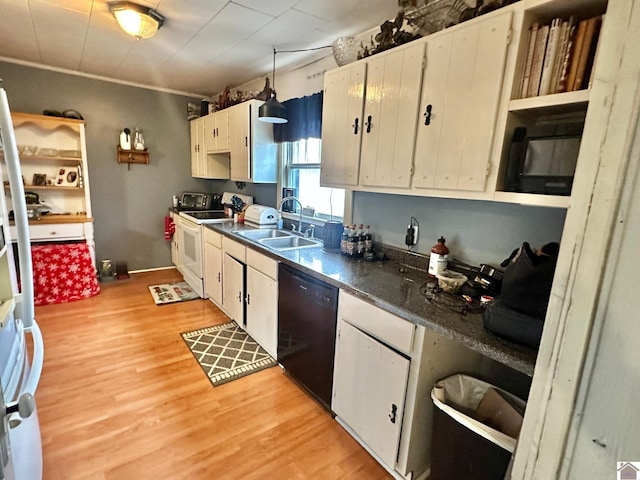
{"x": 368, "y": 240}
{"x": 361, "y": 240}
{"x": 352, "y": 242}
{"x": 343, "y": 240}
{"x": 138, "y": 140}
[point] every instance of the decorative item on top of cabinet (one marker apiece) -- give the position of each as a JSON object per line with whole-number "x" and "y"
{"x": 460, "y": 96}
{"x": 132, "y": 156}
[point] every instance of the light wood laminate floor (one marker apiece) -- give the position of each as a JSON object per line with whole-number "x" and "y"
{"x": 121, "y": 397}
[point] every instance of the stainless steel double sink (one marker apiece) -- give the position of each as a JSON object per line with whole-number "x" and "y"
{"x": 278, "y": 239}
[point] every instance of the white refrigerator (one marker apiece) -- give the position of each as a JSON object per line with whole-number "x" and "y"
{"x": 20, "y": 441}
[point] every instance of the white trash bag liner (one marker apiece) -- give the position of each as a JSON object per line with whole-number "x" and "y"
{"x": 467, "y": 392}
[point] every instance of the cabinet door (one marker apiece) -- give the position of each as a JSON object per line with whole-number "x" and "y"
{"x": 175, "y": 246}
{"x": 222, "y": 131}
{"x": 342, "y": 125}
{"x": 369, "y": 387}
{"x": 216, "y": 132}
{"x": 460, "y": 96}
{"x": 233, "y": 289}
{"x": 262, "y": 310}
{"x": 209, "y": 134}
{"x": 390, "y": 112}
{"x": 239, "y": 143}
{"x": 198, "y": 153}
{"x": 213, "y": 273}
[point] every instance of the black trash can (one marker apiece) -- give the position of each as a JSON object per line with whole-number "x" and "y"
{"x": 467, "y": 419}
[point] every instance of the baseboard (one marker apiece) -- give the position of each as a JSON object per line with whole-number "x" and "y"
{"x": 145, "y": 270}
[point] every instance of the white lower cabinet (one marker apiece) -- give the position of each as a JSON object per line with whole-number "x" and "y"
{"x": 233, "y": 289}
{"x": 369, "y": 394}
{"x": 385, "y": 368}
{"x": 244, "y": 284}
{"x": 262, "y": 310}
{"x": 213, "y": 266}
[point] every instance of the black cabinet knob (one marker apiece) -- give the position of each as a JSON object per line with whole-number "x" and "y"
{"x": 355, "y": 126}
{"x": 368, "y": 124}
{"x": 427, "y": 115}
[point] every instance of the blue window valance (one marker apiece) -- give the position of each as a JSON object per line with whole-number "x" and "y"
{"x": 305, "y": 119}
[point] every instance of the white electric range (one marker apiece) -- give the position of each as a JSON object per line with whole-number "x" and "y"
{"x": 190, "y": 239}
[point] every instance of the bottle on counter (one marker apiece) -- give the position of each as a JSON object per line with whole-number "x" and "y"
{"x": 438, "y": 258}
{"x": 352, "y": 242}
{"x": 361, "y": 241}
{"x": 368, "y": 240}
{"x": 343, "y": 240}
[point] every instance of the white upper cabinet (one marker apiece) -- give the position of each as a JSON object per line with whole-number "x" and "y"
{"x": 198, "y": 152}
{"x": 459, "y": 106}
{"x": 254, "y": 155}
{"x": 391, "y": 104}
{"x": 216, "y": 132}
{"x": 342, "y": 124}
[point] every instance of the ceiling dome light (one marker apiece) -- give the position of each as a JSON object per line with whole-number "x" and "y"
{"x": 136, "y": 20}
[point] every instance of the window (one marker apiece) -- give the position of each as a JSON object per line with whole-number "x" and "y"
{"x": 301, "y": 160}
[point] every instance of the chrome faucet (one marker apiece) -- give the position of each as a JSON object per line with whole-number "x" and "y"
{"x": 285, "y": 199}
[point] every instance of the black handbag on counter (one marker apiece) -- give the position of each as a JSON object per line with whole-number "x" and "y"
{"x": 511, "y": 325}
{"x": 526, "y": 287}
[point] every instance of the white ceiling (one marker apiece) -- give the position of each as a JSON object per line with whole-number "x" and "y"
{"x": 204, "y": 45}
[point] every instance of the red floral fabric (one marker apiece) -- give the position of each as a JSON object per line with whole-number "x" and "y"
{"x": 63, "y": 273}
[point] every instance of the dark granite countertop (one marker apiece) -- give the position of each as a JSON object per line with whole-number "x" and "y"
{"x": 382, "y": 284}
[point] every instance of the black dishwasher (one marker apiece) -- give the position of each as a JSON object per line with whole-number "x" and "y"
{"x": 307, "y": 312}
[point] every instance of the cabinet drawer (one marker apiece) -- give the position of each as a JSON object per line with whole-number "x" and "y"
{"x": 214, "y": 238}
{"x": 235, "y": 249}
{"x": 60, "y": 231}
{"x": 386, "y": 327}
{"x": 262, "y": 263}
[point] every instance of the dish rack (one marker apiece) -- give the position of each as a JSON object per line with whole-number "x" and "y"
{"x": 435, "y": 15}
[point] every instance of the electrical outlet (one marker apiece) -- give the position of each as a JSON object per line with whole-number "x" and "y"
{"x": 412, "y": 235}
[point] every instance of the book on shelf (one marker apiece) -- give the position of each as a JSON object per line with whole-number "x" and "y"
{"x": 567, "y": 57}
{"x": 563, "y": 40}
{"x": 594, "y": 59}
{"x": 577, "y": 53}
{"x": 526, "y": 75}
{"x": 560, "y": 56}
{"x": 550, "y": 57}
{"x": 588, "y": 52}
{"x": 538, "y": 60}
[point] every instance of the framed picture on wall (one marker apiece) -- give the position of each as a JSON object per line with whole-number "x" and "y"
{"x": 39, "y": 179}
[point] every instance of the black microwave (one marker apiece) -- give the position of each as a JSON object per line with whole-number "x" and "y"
{"x": 542, "y": 159}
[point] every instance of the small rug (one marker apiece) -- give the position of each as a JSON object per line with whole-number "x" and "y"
{"x": 172, "y": 293}
{"x": 226, "y": 352}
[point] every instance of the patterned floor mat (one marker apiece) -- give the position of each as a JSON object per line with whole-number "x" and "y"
{"x": 225, "y": 352}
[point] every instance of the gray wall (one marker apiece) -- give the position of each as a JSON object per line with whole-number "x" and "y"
{"x": 128, "y": 205}
{"x": 476, "y": 231}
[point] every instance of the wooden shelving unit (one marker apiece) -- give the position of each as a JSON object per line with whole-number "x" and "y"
{"x": 132, "y": 156}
